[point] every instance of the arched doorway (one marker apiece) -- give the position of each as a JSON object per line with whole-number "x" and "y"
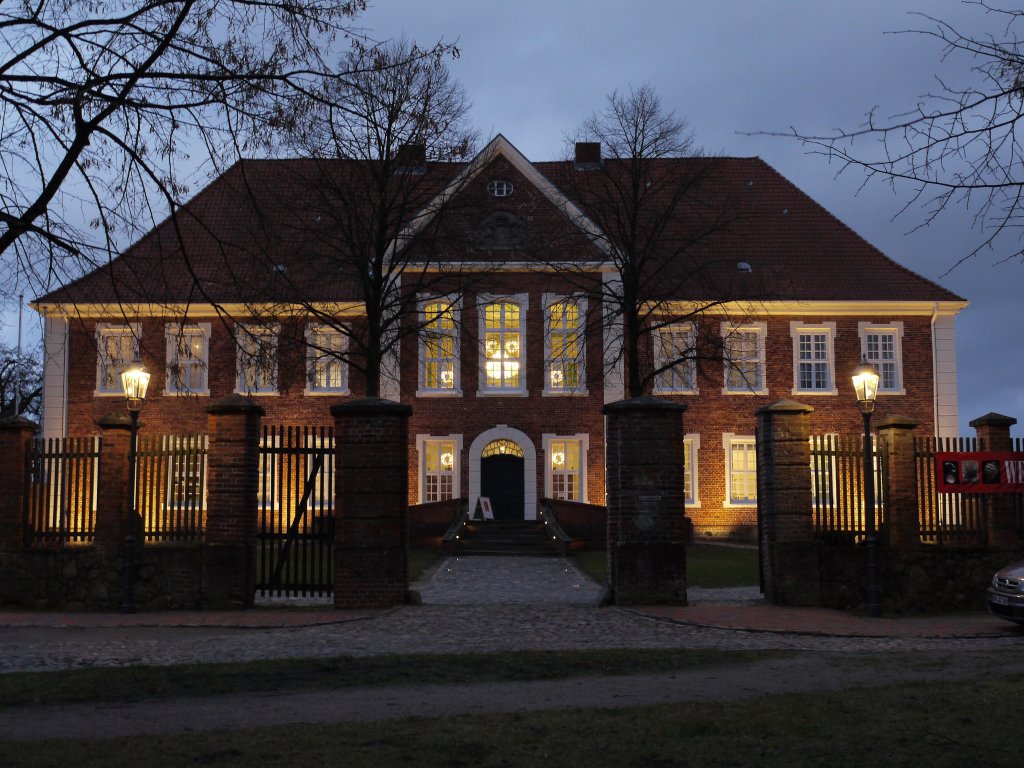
{"x": 528, "y": 465}
{"x": 501, "y": 478}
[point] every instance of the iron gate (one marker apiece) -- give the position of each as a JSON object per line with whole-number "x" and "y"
{"x": 294, "y": 542}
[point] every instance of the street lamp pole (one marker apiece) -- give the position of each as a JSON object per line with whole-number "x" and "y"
{"x": 135, "y": 382}
{"x": 865, "y": 384}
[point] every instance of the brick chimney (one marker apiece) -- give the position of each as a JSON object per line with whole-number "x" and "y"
{"x": 412, "y": 158}
{"x": 588, "y": 155}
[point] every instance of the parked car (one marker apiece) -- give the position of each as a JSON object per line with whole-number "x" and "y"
{"x": 1006, "y": 595}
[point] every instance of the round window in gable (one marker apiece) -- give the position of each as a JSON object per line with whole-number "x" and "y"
{"x": 499, "y": 188}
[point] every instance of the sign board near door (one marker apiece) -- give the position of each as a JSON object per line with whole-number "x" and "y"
{"x": 485, "y": 508}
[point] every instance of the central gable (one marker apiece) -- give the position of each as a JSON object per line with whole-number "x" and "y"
{"x": 502, "y": 209}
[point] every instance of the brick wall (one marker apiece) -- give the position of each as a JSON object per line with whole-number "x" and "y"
{"x": 710, "y": 413}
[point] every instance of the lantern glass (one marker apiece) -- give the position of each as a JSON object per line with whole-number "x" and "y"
{"x": 135, "y": 382}
{"x": 865, "y": 384}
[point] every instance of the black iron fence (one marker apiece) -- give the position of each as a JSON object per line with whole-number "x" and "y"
{"x": 60, "y": 491}
{"x": 62, "y": 483}
{"x": 946, "y": 518}
{"x": 296, "y": 511}
{"x": 170, "y": 486}
{"x": 837, "y": 487}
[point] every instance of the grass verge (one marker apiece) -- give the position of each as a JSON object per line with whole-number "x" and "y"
{"x": 707, "y": 565}
{"x": 899, "y": 725}
{"x": 133, "y": 683}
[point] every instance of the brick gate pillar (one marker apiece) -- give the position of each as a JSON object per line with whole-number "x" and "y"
{"x": 16, "y": 435}
{"x": 115, "y": 515}
{"x": 896, "y": 449}
{"x": 789, "y": 552}
{"x": 993, "y": 431}
{"x": 371, "y": 509}
{"x": 232, "y": 483}
{"x": 646, "y": 496}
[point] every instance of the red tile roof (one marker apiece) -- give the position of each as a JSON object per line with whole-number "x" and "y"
{"x": 254, "y": 235}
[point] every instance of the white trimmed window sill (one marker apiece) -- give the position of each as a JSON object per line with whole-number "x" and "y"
{"x": 509, "y": 393}
{"x": 187, "y": 393}
{"x": 814, "y": 392}
{"x": 438, "y": 393}
{"x": 325, "y": 392}
{"x": 742, "y": 392}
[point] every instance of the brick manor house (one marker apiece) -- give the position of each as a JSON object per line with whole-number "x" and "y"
{"x": 507, "y": 380}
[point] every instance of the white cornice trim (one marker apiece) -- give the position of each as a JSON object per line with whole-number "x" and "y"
{"x": 128, "y": 310}
{"x": 824, "y": 308}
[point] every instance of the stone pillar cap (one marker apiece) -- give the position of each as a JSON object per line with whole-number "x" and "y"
{"x": 236, "y": 403}
{"x": 18, "y": 422}
{"x": 644, "y": 403}
{"x": 786, "y": 406}
{"x": 993, "y": 419}
{"x": 897, "y": 422}
{"x": 371, "y": 405}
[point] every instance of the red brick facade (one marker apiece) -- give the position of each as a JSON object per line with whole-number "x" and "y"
{"x": 798, "y": 253}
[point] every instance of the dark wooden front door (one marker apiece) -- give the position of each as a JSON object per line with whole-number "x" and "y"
{"x": 501, "y": 480}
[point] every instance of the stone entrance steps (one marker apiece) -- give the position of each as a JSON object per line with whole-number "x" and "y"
{"x": 504, "y": 537}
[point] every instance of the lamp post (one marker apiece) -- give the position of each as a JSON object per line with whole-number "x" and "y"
{"x": 865, "y": 384}
{"x": 135, "y": 382}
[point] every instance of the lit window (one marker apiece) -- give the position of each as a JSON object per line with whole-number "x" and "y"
{"x": 188, "y": 350}
{"x": 502, "y": 332}
{"x": 881, "y": 346}
{"x": 439, "y": 467}
{"x": 327, "y": 371}
{"x": 257, "y": 359}
{"x": 564, "y": 368}
{"x": 740, "y": 471}
{"x": 743, "y": 350}
{"x": 439, "y": 348}
{"x": 566, "y": 465}
{"x": 691, "y": 444}
{"x": 674, "y": 350}
{"x": 118, "y": 349}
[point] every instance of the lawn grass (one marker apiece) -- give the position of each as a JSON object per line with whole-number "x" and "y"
{"x": 420, "y": 560}
{"x": 132, "y": 683}
{"x": 940, "y": 725}
{"x": 707, "y": 565}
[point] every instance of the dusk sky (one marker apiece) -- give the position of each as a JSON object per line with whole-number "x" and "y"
{"x": 535, "y": 69}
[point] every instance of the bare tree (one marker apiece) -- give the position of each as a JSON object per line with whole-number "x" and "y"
{"x": 383, "y": 144}
{"x": 21, "y": 382}
{"x": 958, "y": 146}
{"x": 644, "y": 202}
{"x": 110, "y": 108}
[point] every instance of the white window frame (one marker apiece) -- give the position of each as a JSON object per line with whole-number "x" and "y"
{"x": 728, "y": 330}
{"x": 665, "y": 381}
{"x": 731, "y": 501}
{"x": 103, "y": 332}
{"x": 895, "y": 329}
{"x": 798, "y": 329}
{"x": 582, "y": 439}
{"x": 274, "y": 485}
{"x": 422, "y": 442}
{"x": 691, "y": 445}
{"x": 522, "y": 300}
{"x": 265, "y": 338}
{"x": 550, "y": 363}
{"x": 455, "y": 390}
{"x": 172, "y": 333}
{"x": 312, "y": 355}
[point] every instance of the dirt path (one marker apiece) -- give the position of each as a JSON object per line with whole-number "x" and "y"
{"x": 800, "y": 673}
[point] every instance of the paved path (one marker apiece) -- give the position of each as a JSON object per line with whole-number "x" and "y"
{"x": 475, "y": 604}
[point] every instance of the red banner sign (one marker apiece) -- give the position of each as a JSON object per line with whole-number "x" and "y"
{"x": 979, "y": 472}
